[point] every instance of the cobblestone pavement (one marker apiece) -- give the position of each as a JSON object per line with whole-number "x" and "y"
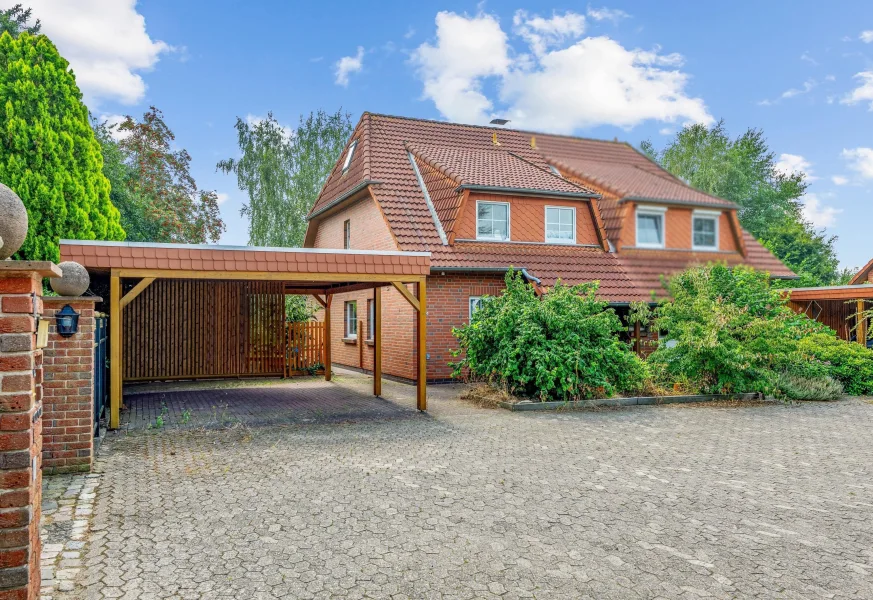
{"x": 675, "y": 501}
{"x": 67, "y": 507}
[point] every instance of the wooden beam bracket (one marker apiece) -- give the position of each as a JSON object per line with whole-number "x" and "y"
{"x": 136, "y": 291}
{"x": 407, "y": 294}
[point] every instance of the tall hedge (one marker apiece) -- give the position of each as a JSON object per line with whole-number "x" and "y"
{"x": 48, "y": 153}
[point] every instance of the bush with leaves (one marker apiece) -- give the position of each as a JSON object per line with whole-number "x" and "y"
{"x": 849, "y": 363}
{"x": 560, "y": 346}
{"x": 796, "y": 387}
{"x": 728, "y": 331}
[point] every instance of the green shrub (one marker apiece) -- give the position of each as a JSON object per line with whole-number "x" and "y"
{"x": 849, "y": 363}
{"x": 729, "y": 331}
{"x": 797, "y": 387}
{"x": 561, "y": 346}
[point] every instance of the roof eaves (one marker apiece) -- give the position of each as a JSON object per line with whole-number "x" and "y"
{"x": 720, "y": 204}
{"x": 528, "y": 192}
{"x": 860, "y": 275}
{"x": 342, "y": 197}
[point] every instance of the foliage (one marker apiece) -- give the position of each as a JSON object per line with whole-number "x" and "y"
{"x": 48, "y": 153}
{"x": 796, "y": 387}
{"x": 849, "y": 363}
{"x": 283, "y": 173}
{"x": 561, "y": 346}
{"x": 14, "y": 21}
{"x": 743, "y": 170}
{"x": 298, "y": 308}
{"x": 728, "y": 331}
{"x": 153, "y": 186}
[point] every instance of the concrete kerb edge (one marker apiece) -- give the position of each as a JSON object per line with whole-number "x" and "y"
{"x": 613, "y": 402}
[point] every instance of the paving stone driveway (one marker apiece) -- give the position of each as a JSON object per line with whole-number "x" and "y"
{"x": 651, "y": 502}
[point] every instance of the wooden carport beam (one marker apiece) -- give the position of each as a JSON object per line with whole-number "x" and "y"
{"x": 136, "y": 291}
{"x": 861, "y": 329}
{"x": 327, "y": 364}
{"x": 406, "y": 294}
{"x": 320, "y": 300}
{"x": 114, "y": 351}
{"x": 377, "y": 341}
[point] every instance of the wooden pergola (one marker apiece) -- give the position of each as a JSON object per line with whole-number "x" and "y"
{"x": 320, "y": 273}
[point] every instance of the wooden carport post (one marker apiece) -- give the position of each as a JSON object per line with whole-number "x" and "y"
{"x": 328, "y": 299}
{"x": 421, "y": 335}
{"x": 377, "y": 341}
{"x": 114, "y": 350}
{"x": 861, "y": 326}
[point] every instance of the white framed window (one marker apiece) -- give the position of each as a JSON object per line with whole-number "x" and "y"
{"x": 704, "y": 230}
{"x": 475, "y": 304}
{"x": 349, "y": 154}
{"x": 347, "y": 234}
{"x": 560, "y": 224}
{"x": 492, "y": 221}
{"x": 351, "y": 310}
{"x": 371, "y": 318}
{"x": 650, "y": 226}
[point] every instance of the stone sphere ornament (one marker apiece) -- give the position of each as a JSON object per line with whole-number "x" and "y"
{"x": 74, "y": 280}
{"x": 13, "y": 222}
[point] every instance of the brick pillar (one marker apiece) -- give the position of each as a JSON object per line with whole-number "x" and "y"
{"x": 68, "y": 410}
{"x": 20, "y": 427}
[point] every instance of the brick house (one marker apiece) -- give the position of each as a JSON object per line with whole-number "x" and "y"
{"x": 482, "y": 199}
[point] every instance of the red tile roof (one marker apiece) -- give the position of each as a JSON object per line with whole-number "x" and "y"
{"x": 495, "y": 168}
{"x": 102, "y": 256}
{"x": 448, "y": 155}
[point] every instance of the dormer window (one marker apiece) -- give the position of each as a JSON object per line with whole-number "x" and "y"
{"x": 349, "y": 154}
{"x": 492, "y": 221}
{"x": 650, "y": 226}
{"x": 560, "y": 225}
{"x": 704, "y": 227}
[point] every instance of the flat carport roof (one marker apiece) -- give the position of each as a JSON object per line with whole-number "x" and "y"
{"x": 315, "y": 271}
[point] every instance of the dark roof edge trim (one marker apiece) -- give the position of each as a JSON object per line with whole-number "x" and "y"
{"x": 525, "y": 273}
{"x": 342, "y": 197}
{"x": 722, "y": 204}
{"x": 527, "y": 192}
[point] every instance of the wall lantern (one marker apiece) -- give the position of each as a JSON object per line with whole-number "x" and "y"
{"x": 67, "y": 321}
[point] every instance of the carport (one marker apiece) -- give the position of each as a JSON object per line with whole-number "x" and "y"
{"x": 212, "y": 301}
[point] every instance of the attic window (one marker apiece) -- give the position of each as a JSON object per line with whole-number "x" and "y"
{"x": 349, "y": 155}
{"x": 650, "y": 227}
{"x": 492, "y": 221}
{"x": 705, "y": 230}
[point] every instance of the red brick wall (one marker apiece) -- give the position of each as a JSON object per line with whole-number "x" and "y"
{"x": 368, "y": 229}
{"x": 527, "y": 218}
{"x": 20, "y": 435}
{"x": 448, "y": 297}
{"x": 68, "y": 414}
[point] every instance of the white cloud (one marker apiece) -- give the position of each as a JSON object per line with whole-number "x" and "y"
{"x": 105, "y": 42}
{"x": 666, "y": 131}
{"x": 348, "y": 65}
{"x": 467, "y": 49}
{"x": 409, "y": 33}
{"x": 221, "y": 197}
{"x": 866, "y": 36}
{"x": 860, "y": 160}
{"x": 541, "y": 33}
{"x": 607, "y": 14}
{"x": 840, "y": 180}
{"x": 807, "y": 58}
{"x": 817, "y": 213}
{"x": 555, "y": 87}
{"x": 808, "y": 86}
{"x": 794, "y": 163}
{"x": 862, "y": 93}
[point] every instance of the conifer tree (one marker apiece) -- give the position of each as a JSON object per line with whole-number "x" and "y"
{"x": 48, "y": 153}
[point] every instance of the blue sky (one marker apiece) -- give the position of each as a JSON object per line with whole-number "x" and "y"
{"x": 801, "y": 71}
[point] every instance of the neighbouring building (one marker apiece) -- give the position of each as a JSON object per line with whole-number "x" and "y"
{"x": 484, "y": 199}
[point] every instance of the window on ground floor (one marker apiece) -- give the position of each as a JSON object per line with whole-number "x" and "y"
{"x": 371, "y": 319}
{"x": 351, "y": 319}
{"x": 475, "y": 304}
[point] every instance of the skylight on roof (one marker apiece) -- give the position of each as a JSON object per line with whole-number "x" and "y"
{"x": 349, "y": 155}
{"x": 554, "y": 170}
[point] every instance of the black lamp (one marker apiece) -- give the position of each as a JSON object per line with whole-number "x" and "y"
{"x": 67, "y": 321}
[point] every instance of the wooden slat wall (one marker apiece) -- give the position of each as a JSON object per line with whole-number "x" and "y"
{"x": 305, "y": 347}
{"x": 839, "y": 315}
{"x": 190, "y": 329}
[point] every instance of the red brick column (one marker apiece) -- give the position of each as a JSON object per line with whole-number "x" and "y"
{"x": 68, "y": 410}
{"x": 20, "y": 427}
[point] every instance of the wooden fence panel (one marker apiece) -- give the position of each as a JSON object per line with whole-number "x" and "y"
{"x": 190, "y": 329}
{"x": 305, "y": 347}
